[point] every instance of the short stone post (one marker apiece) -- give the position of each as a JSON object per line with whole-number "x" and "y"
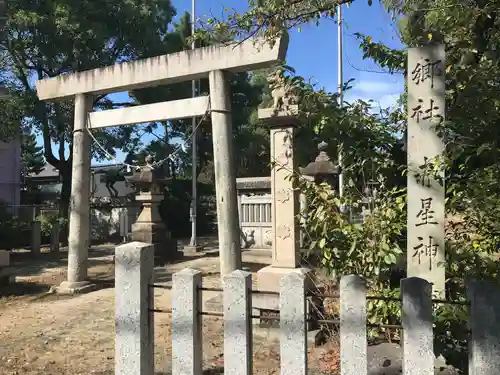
{"x": 36, "y": 237}
{"x": 353, "y": 344}
{"x": 238, "y": 323}
{"x": 90, "y": 225}
{"x": 6, "y": 273}
{"x": 293, "y": 315}
{"x": 124, "y": 224}
{"x": 416, "y": 316}
{"x": 186, "y": 323}
{"x": 484, "y": 324}
{"x": 4, "y": 258}
{"x": 54, "y": 238}
{"x": 303, "y": 216}
{"x": 134, "y": 298}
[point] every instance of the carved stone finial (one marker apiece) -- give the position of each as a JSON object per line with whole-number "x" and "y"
{"x": 322, "y": 156}
{"x": 322, "y": 146}
{"x": 148, "y": 176}
{"x": 149, "y": 161}
{"x": 282, "y": 92}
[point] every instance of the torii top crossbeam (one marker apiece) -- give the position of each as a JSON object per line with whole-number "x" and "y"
{"x": 249, "y": 55}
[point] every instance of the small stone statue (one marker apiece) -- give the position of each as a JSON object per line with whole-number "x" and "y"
{"x": 149, "y": 162}
{"x": 283, "y": 93}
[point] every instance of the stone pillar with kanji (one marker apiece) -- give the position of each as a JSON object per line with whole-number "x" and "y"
{"x": 426, "y": 194}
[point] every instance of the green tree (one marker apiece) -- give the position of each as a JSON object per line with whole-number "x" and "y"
{"x": 250, "y": 139}
{"x": 270, "y": 18}
{"x": 32, "y": 160}
{"x": 471, "y": 35}
{"x": 46, "y": 39}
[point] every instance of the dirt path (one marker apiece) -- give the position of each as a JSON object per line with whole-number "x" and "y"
{"x": 54, "y": 335}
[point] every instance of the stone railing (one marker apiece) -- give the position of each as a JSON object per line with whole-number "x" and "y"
{"x": 255, "y": 220}
{"x": 254, "y": 208}
{"x": 134, "y": 290}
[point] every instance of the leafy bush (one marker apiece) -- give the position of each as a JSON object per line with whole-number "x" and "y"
{"x": 373, "y": 250}
{"x": 376, "y": 251}
{"x": 370, "y": 250}
{"x": 14, "y": 233}
{"x": 47, "y": 221}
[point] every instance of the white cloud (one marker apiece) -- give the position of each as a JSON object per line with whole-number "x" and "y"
{"x": 378, "y": 101}
{"x": 389, "y": 100}
{"x": 374, "y": 87}
{"x": 384, "y": 90}
{"x": 383, "y": 93}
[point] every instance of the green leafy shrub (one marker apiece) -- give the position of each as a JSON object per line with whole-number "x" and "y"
{"x": 47, "y": 221}
{"x": 376, "y": 251}
{"x": 14, "y": 233}
{"x": 371, "y": 250}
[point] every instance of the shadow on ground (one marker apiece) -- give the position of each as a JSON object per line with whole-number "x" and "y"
{"x": 28, "y": 264}
{"x": 21, "y": 288}
{"x": 211, "y": 371}
{"x": 254, "y": 266}
{"x": 36, "y": 274}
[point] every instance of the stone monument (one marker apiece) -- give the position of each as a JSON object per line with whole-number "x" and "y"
{"x": 150, "y": 182}
{"x": 6, "y": 272}
{"x": 426, "y": 211}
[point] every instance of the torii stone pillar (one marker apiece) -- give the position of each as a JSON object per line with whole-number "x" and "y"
{"x": 79, "y": 224}
{"x": 228, "y": 224}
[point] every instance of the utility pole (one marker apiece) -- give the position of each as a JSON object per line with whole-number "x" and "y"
{"x": 193, "y": 245}
{"x": 340, "y": 88}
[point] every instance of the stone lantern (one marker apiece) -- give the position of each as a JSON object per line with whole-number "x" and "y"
{"x": 149, "y": 227}
{"x": 323, "y": 169}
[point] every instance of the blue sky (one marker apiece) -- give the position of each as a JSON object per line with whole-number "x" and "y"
{"x": 313, "y": 50}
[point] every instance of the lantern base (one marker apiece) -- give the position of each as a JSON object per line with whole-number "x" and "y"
{"x": 165, "y": 246}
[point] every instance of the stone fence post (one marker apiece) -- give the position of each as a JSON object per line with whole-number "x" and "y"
{"x": 293, "y": 315}
{"x": 186, "y": 323}
{"x": 134, "y": 346}
{"x": 54, "y": 237}
{"x": 123, "y": 223}
{"x": 238, "y": 323}
{"x": 353, "y": 344}
{"x": 484, "y": 324}
{"x": 36, "y": 237}
{"x": 303, "y": 217}
{"x": 416, "y": 317}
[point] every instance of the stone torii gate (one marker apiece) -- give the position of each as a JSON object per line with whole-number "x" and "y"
{"x": 212, "y": 62}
